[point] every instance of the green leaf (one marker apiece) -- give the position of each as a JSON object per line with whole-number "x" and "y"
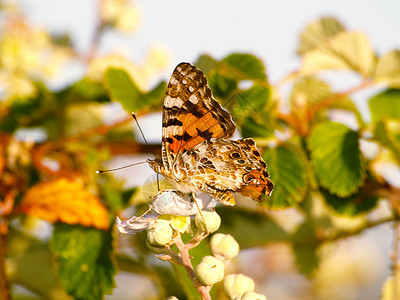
{"x": 246, "y": 66}
{"x": 344, "y": 51}
{"x": 85, "y": 90}
{"x": 251, "y": 110}
{"x": 388, "y": 69}
{"x": 305, "y": 246}
{"x": 308, "y": 91}
{"x": 122, "y": 89}
{"x": 317, "y": 32}
{"x": 385, "y": 105}
{"x": 206, "y": 63}
{"x": 287, "y": 169}
{"x": 307, "y": 260}
{"x": 387, "y": 132}
{"x": 336, "y": 158}
{"x": 84, "y": 257}
{"x": 155, "y": 97}
{"x": 222, "y": 86}
{"x": 252, "y": 128}
{"x": 353, "y": 205}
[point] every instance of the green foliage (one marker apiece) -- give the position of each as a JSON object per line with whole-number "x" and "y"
{"x": 336, "y": 157}
{"x": 122, "y": 89}
{"x": 246, "y": 66}
{"x": 286, "y": 164}
{"x": 85, "y": 263}
{"x": 385, "y": 105}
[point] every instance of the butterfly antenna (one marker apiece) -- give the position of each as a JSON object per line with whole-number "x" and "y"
{"x": 141, "y": 132}
{"x": 147, "y": 144}
{"x": 120, "y": 168}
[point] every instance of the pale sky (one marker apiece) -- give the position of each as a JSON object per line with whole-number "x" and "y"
{"x": 268, "y": 29}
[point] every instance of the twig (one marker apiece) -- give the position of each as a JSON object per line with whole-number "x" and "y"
{"x": 94, "y": 46}
{"x": 302, "y": 126}
{"x": 184, "y": 252}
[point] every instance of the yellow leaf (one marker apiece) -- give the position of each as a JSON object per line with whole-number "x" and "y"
{"x": 65, "y": 200}
{"x": 344, "y": 51}
{"x": 388, "y": 69}
{"x": 318, "y": 32}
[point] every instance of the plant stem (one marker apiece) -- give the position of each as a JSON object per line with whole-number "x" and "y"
{"x": 94, "y": 46}
{"x": 184, "y": 252}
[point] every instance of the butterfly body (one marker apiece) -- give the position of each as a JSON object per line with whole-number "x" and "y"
{"x": 197, "y": 153}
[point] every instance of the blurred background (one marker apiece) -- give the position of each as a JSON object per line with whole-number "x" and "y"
{"x": 153, "y": 37}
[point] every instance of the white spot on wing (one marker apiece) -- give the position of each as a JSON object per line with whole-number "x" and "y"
{"x": 178, "y": 102}
{"x": 193, "y": 98}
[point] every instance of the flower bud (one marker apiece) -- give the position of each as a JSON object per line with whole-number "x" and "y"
{"x": 210, "y": 270}
{"x": 235, "y": 285}
{"x": 207, "y": 221}
{"x": 224, "y": 246}
{"x": 250, "y": 295}
{"x": 160, "y": 233}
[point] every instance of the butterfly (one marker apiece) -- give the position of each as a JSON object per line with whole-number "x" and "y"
{"x": 197, "y": 154}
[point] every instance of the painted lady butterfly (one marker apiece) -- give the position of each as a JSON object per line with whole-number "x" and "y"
{"x": 197, "y": 154}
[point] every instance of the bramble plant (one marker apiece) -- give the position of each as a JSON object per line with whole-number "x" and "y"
{"x": 326, "y": 156}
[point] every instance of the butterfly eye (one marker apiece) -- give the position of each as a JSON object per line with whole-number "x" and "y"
{"x": 235, "y": 155}
{"x": 248, "y": 178}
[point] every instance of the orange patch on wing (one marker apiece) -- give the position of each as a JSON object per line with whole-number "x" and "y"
{"x": 175, "y": 145}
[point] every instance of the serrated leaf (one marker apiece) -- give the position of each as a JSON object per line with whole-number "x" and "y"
{"x": 385, "y": 105}
{"x": 352, "y": 205}
{"x": 336, "y": 158}
{"x": 84, "y": 256}
{"x": 344, "y": 51}
{"x": 65, "y": 200}
{"x": 286, "y": 166}
{"x": 387, "y": 132}
{"x": 308, "y": 91}
{"x": 318, "y": 32}
{"x": 388, "y": 69}
{"x": 246, "y": 66}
